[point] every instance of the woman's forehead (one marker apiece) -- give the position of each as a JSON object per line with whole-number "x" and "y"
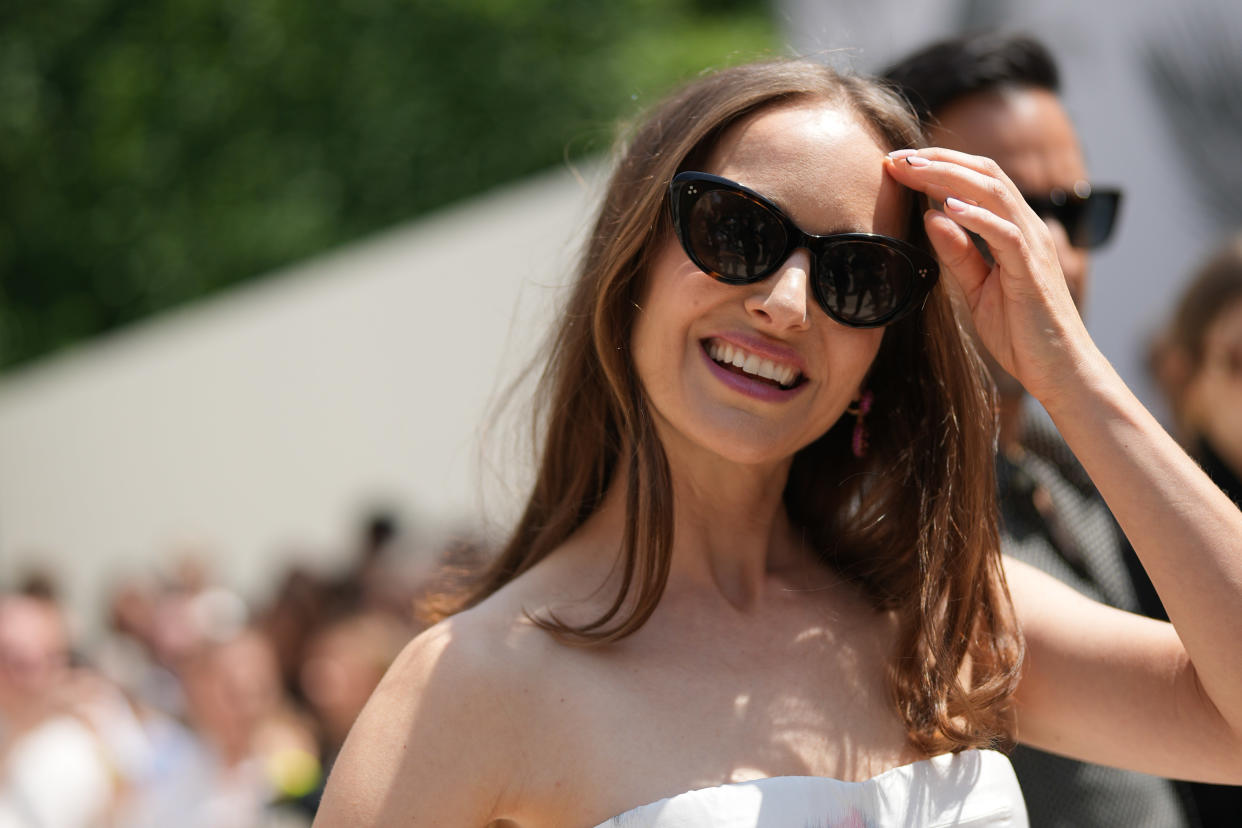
{"x": 819, "y": 163}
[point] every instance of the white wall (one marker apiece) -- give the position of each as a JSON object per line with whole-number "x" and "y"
{"x": 258, "y": 426}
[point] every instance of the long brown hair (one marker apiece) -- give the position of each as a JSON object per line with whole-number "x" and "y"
{"x": 912, "y": 523}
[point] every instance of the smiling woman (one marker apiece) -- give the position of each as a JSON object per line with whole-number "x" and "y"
{"x": 717, "y": 580}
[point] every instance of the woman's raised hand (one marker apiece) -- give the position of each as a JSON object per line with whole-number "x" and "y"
{"x": 1021, "y": 307}
{"x": 1094, "y": 672}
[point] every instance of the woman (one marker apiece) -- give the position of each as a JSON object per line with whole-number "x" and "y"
{"x": 788, "y": 568}
{"x": 1198, "y": 361}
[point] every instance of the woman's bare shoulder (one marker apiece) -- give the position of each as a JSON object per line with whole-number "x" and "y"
{"x": 441, "y": 737}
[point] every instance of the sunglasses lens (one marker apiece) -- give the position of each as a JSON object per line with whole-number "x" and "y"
{"x": 864, "y": 282}
{"x": 1088, "y": 221}
{"x": 733, "y": 237}
{"x": 1096, "y": 217}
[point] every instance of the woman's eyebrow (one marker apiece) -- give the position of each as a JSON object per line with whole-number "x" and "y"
{"x": 834, "y": 229}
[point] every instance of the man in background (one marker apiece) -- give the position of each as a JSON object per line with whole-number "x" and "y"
{"x": 997, "y": 96}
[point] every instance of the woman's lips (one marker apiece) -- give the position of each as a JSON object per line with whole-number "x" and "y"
{"x": 727, "y": 354}
{"x": 756, "y": 375}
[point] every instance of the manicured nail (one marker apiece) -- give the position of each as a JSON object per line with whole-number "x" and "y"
{"x": 902, "y": 153}
{"x": 917, "y": 161}
{"x": 956, "y": 205}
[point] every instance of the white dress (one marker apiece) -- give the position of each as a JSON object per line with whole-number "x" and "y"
{"x": 975, "y": 788}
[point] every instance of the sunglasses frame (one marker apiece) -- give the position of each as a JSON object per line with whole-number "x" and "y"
{"x": 924, "y": 269}
{"x": 1071, "y": 210}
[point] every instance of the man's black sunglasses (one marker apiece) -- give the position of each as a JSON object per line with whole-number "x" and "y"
{"x": 1088, "y": 215}
{"x": 739, "y": 237}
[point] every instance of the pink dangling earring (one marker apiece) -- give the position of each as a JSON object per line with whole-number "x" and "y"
{"x": 860, "y": 409}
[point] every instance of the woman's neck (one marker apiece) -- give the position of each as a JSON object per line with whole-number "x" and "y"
{"x": 730, "y": 528}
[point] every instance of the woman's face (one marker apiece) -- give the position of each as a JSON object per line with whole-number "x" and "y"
{"x": 1214, "y": 396}
{"x": 821, "y": 166}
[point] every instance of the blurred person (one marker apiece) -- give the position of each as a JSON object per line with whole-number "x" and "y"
{"x": 758, "y": 578}
{"x": 174, "y": 621}
{"x": 39, "y": 583}
{"x": 344, "y": 661}
{"x": 54, "y": 769}
{"x": 1197, "y": 362}
{"x": 127, "y": 736}
{"x": 218, "y": 737}
{"x": 377, "y": 576}
{"x": 125, "y": 650}
{"x": 301, "y": 601}
{"x": 101, "y": 704}
{"x": 384, "y": 574}
{"x": 996, "y": 95}
{"x": 261, "y": 751}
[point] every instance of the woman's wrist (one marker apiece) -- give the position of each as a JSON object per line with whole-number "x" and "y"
{"x": 1087, "y": 381}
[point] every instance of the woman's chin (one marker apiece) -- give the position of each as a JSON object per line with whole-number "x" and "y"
{"x": 748, "y": 447}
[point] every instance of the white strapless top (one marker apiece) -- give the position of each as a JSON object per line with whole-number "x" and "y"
{"x": 975, "y": 787}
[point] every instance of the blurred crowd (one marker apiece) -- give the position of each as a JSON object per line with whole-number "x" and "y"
{"x": 192, "y": 708}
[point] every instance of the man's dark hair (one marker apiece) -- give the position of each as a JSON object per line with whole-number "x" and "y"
{"x": 939, "y": 74}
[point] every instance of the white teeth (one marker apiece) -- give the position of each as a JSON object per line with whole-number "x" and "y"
{"x": 726, "y": 354}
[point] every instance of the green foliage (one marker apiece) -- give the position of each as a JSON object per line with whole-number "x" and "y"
{"x": 152, "y": 151}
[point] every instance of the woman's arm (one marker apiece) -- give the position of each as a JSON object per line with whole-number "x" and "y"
{"x": 1109, "y": 687}
{"x": 431, "y": 747}
{"x": 1139, "y": 689}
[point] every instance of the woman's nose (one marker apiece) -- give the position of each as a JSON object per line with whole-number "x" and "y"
{"x": 781, "y": 299}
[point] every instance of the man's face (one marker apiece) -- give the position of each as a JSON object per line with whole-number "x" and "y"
{"x": 1027, "y": 132}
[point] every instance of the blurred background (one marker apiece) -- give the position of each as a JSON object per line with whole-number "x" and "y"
{"x": 268, "y": 267}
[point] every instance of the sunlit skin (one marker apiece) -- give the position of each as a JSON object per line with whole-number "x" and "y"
{"x": 1213, "y": 397}
{"x": 758, "y": 661}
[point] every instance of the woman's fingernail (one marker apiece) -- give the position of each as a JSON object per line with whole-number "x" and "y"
{"x": 917, "y": 161}
{"x": 902, "y": 153}
{"x": 954, "y": 204}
